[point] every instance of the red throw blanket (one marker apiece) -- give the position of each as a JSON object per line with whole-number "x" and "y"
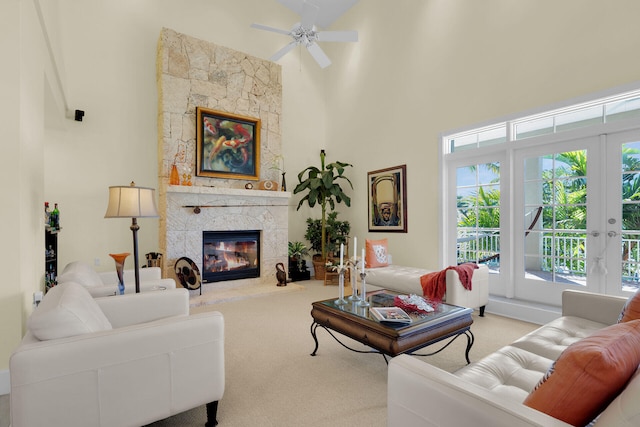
{"x": 434, "y": 285}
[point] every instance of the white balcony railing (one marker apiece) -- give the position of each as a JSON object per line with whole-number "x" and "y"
{"x": 559, "y": 256}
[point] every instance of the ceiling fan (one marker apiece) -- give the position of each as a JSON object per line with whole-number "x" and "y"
{"x": 305, "y": 33}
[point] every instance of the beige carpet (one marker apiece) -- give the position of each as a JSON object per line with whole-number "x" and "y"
{"x": 273, "y": 381}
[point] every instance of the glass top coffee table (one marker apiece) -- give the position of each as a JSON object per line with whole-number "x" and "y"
{"x": 356, "y": 322}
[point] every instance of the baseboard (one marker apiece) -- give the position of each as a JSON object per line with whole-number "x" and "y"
{"x": 4, "y": 382}
{"x": 523, "y": 310}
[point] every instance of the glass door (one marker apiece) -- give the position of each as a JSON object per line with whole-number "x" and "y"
{"x": 557, "y": 188}
{"x": 620, "y": 236}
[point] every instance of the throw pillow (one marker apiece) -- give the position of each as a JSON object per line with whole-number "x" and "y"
{"x": 65, "y": 311}
{"x": 589, "y": 374}
{"x": 631, "y": 309}
{"x": 80, "y": 272}
{"x": 376, "y": 253}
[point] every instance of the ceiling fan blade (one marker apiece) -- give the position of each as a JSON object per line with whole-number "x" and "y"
{"x": 267, "y": 28}
{"x": 282, "y": 52}
{"x": 318, "y": 54}
{"x": 309, "y": 15}
{"x": 337, "y": 36}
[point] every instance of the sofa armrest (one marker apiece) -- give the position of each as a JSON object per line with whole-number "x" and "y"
{"x": 421, "y": 394}
{"x": 592, "y": 306}
{"x": 130, "y": 309}
{"x": 128, "y": 376}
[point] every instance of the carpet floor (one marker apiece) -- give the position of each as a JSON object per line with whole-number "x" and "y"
{"x": 271, "y": 379}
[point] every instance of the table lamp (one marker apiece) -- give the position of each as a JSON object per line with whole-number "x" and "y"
{"x": 132, "y": 202}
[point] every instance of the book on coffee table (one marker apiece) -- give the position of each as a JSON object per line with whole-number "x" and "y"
{"x": 390, "y": 315}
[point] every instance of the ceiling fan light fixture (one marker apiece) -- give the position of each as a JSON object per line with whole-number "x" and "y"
{"x": 305, "y": 32}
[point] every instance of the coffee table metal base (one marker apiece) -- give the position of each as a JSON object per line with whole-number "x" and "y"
{"x": 453, "y": 336}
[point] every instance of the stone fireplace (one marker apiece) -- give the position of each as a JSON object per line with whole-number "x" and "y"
{"x": 226, "y": 209}
{"x": 195, "y": 73}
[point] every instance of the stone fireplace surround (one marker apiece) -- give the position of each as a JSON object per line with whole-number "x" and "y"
{"x": 192, "y": 73}
{"x": 226, "y": 209}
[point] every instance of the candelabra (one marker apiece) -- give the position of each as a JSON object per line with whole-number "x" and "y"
{"x": 352, "y": 264}
{"x": 341, "y": 269}
{"x": 363, "y": 302}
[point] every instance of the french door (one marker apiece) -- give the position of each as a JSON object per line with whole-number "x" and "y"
{"x": 577, "y": 217}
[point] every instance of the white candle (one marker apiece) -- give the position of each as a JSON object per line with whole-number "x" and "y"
{"x": 363, "y": 260}
{"x": 355, "y": 248}
{"x": 341, "y": 254}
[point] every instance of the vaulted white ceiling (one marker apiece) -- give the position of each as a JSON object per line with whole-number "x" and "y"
{"x": 330, "y": 10}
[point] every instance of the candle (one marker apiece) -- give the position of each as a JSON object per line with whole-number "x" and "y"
{"x": 355, "y": 248}
{"x": 341, "y": 254}
{"x": 363, "y": 260}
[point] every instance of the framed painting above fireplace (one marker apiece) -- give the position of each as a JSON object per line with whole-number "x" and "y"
{"x": 227, "y": 145}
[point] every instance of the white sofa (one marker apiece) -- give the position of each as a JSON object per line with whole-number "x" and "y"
{"x": 125, "y": 360}
{"x": 491, "y": 392}
{"x": 407, "y": 280}
{"x": 103, "y": 284}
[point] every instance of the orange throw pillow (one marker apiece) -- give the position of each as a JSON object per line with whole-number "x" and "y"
{"x": 376, "y": 253}
{"x": 631, "y": 309}
{"x": 589, "y": 374}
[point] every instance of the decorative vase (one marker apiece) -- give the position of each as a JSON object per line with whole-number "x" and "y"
{"x": 174, "y": 176}
{"x": 283, "y": 187}
{"x": 119, "y": 259}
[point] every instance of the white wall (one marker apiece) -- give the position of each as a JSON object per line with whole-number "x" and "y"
{"x": 109, "y": 51}
{"x": 23, "y": 75}
{"x": 422, "y": 68}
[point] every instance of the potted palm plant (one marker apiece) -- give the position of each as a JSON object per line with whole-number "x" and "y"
{"x": 322, "y": 187}
{"x": 297, "y": 266}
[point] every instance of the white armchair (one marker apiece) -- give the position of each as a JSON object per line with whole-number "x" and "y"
{"x": 103, "y": 284}
{"x": 125, "y": 360}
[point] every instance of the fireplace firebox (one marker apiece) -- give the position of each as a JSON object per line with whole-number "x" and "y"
{"x": 230, "y": 255}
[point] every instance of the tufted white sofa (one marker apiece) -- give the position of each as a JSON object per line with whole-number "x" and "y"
{"x": 491, "y": 392}
{"x": 103, "y": 284}
{"x": 125, "y": 360}
{"x": 407, "y": 280}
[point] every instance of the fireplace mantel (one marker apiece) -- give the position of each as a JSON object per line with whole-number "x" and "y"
{"x": 221, "y": 191}
{"x": 231, "y": 209}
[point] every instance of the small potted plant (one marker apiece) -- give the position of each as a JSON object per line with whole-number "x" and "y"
{"x": 297, "y": 266}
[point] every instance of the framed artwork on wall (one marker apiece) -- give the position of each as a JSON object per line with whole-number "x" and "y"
{"x": 388, "y": 199}
{"x": 227, "y": 145}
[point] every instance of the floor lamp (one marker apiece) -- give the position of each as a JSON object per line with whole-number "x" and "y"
{"x": 132, "y": 202}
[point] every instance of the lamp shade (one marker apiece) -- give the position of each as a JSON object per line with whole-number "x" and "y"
{"x": 131, "y": 202}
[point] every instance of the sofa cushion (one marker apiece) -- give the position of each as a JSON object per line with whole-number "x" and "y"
{"x": 510, "y": 372}
{"x": 80, "y": 272}
{"x": 589, "y": 374}
{"x": 552, "y": 339}
{"x": 67, "y": 310}
{"x": 631, "y": 309}
{"x": 377, "y": 253}
{"x": 624, "y": 410}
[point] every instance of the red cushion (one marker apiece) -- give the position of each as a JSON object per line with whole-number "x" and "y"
{"x": 631, "y": 309}
{"x": 589, "y": 374}
{"x": 376, "y": 253}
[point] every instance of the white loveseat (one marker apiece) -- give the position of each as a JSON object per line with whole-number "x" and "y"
{"x": 491, "y": 392}
{"x": 103, "y": 284}
{"x": 125, "y": 360}
{"x": 407, "y": 280}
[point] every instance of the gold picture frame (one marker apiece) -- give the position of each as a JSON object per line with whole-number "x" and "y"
{"x": 227, "y": 145}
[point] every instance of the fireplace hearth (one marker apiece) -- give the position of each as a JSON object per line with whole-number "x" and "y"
{"x": 230, "y": 255}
